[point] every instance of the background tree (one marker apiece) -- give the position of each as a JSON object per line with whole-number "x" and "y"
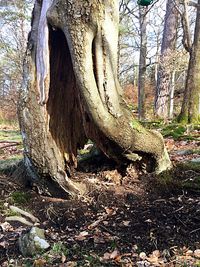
{"x": 14, "y": 19}
{"x": 13, "y": 15}
{"x": 142, "y": 61}
{"x": 166, "y": 60}
{"x": 190, "y": 111}
{"x": 82, "y": 95}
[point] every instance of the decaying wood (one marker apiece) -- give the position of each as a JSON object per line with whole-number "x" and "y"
{"x": 18, "y": 219}
{"x": 25, "y": 213}
{"x": 84, "y": 96}
{"x": 42, "y": 55}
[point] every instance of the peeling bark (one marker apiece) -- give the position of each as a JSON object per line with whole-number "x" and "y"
{"x": 84, "y": 97}
{"x": 42, "y": 55}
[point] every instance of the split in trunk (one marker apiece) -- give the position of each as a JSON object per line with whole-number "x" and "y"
{"x": 83, "y": 99}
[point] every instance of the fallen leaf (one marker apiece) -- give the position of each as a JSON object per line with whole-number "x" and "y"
{"x": 4, "y": 244}
{"x": 94, "y": 224}
{"x": 197, "y": 253}
{"x": 6, "y": 227}
{"x": 110, "y": 211}
{"x": 111, "y": 256}
{"x": 126, "y": 223}
{"x": 39, "y": 263}
{"x": 71, "y": 264}
{"x": 63, "y": 258}
{"x": 114, "y": 254}
{"x": 82, "y": 236}
{"x": 106, "y": 256}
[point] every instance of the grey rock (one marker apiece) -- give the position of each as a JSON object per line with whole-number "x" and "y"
{"x": 197, "y": 160}
{"x": 184, "y": 152}
{"x": 33, "y": 242}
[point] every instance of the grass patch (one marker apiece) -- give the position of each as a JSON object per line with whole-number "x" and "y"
{"x": 20, "y": 198}
{"x": 189, "y": 166}
{"x": 10, "y": 135}
{"x": 175, "y": 131}
{"x": 185, "y": 176}
{"x": 10, "y": 162}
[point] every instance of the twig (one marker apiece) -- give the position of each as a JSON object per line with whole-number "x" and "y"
{"x": 9, "y": 142}
{"x": 178, "y": 209}
{"x": 181, "y": 221}
{"x": 194, "y": 231}
{"x": 10, "y": 145}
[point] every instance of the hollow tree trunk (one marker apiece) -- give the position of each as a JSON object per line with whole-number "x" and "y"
{"x": 82, "y": 95}
{"x": 190, "y": 111}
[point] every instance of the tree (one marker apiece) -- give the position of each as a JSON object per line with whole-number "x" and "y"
{"x": 74, "y": 94}
{"x": 166, "y": 60}
{"x": 190, "y": 111}
{"x": 142, "y": 61}
{"x": 13, "y": 14}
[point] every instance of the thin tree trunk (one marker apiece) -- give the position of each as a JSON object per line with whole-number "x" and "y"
{"x": 191, "y": 101}
{"x": 172, "y": 89}
{"x": 142, "y": 61}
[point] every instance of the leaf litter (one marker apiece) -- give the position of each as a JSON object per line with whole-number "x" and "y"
{"x": 133, "y": 221}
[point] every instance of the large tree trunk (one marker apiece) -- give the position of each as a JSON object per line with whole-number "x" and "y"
{"x": 166, "y": 60}
{"x": 142, "y": 61}
{"x": 82, "y": 95}
{"x": 190, "y": 111}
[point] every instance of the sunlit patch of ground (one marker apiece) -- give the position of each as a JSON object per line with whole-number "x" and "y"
{"x": 127, "y": 220}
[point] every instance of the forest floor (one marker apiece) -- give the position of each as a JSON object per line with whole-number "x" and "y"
{"x": 129, "y": 219}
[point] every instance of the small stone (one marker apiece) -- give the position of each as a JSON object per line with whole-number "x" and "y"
{"x": 197, "y": 253}
{"x": 189, "y": 253}
{"x": 197, "y": 160}
{"x": 142, "y": 255}
{"x": 33, "y": 242}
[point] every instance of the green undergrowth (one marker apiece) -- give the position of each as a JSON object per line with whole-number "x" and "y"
{"x": 10, "y": 135}
{"x": 60, "y": 251}
{"x": 174, "y": 130}
{"x": 19, "y": 197}
{"x": 10, "y": 163}
{"x": 185, "y": 176}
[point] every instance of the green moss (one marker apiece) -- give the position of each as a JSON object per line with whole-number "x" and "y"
{"x": 182, "y": 119}
{"x": 9, "y": 212}
{"x": 59, "y": 248}
{"x": 20, "y": 198}
{"x": 193, "y": 183}
{"x": 10, "y": 162}
{"x": 152, "y": 124}
{"x": 137, "y": 126}
{"x": 188, "y": 166}
{"x": 174, "y": 130}
{"x": 10, "y": 135}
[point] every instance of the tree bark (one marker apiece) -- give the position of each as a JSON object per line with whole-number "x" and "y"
{"x": 166, "y": 60}
{"x": 142, "y": 62}
{"x": 190, "y": 111}
{"x": 83, "y": 99}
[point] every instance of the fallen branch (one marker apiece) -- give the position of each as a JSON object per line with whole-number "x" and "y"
{"x": 8, "y": 141}
{"x": 25, "y": 213}
{"x": 10, "y": 145}
{"x": 194, "y": 231}
{"x": 18, "y": 219}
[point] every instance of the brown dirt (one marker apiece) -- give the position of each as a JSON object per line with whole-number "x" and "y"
{"x": 127, "y": 214}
